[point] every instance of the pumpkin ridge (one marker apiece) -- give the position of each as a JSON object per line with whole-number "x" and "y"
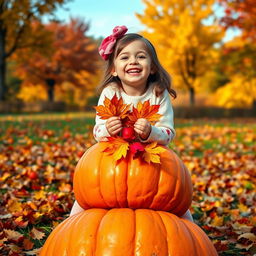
{"x": 59, "y": 245}
{"x": 126, "y": 189}
{"x": 176, "y": 190}
{"x": 191, "y": 235}
{"x": 199, "y": 235}
{"x": 135, "y": 232}
{"x": 179, "y": 187}
{"x": 81, "y": 188}
{"x": 96, "y": 232}
{"x": 78, "y": 188}
{"x": 115, "y": 186}
{"x": 159, "y": 170}
{"x": 72, "y": 231}
{"x": 171, "y": 220}
{"x": 166, "y": 234}
{"x": 107, "y": 178}
{"x": 99, "y": 177}
{"x": 186, "y": 187}
{"x": 158, "y": 219}
{"x": 47, "y": 246}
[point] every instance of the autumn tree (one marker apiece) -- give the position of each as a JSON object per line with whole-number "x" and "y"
{"x": 240, "y": 53}
{"x": 184, "y": 43}
{"x": 72, "y": 57}
{"x": 16, "y": 17}
{"x": 241, "y": 15}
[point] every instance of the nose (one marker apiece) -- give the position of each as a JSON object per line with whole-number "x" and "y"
{"x": 133, "y": 60}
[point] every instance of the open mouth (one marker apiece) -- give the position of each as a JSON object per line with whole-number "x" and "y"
{"x": 133, "y": 71}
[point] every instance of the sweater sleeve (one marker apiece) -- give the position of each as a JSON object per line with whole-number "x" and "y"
{"x": 100, "y": 132}
{"x": 163, "y": 131}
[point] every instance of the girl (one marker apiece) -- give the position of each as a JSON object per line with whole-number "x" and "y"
{"x": 134, "y": 73}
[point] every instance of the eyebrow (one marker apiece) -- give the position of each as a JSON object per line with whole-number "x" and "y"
{"x": 136, "y": 53}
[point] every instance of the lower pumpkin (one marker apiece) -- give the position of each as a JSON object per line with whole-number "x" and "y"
{"x": 127, "y": 232}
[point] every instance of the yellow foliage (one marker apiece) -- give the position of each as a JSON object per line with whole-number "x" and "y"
{"x": 238, "y": 93}
{"x": 184, "y": 44}
{"x": 32, "y": 93}
{"x": 67, "y": 92}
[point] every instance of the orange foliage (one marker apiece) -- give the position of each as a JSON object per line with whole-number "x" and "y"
{"x": 71, "y": 57}
{"x": 241, "y": 14}
{"x": 113, "y": 107}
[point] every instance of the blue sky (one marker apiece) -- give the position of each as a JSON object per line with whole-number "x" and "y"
{"x": 104, "y": 15}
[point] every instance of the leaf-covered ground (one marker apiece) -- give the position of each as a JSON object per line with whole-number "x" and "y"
{"x": 38, "y": 156}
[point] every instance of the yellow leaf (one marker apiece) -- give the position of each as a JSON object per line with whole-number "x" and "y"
{"x": 121, "y": 151}
{"x": 148, "y": 157}
{"x": 242, "y": 208}
{"x": 217, "y": 221}
{"x": 152, "y": 153}
{"x": 14, "y": 206}
{"x": 37, "y": 215}
{"x": 5, "y": 176}
{"x": 39, "y": 195}
{"x": 65, "y": 187}
{"x": 117, "y": 147}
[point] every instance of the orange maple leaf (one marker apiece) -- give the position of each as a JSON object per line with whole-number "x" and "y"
{"x": 145, "y": 110}
{"x": 113, "y": 107}
{"x": 152, "y": 153}
{"x": 116, "y": 146}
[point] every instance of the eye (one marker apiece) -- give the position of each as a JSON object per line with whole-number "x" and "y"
{"x": 142, "y": 57}
{"x": 123, "y": 57}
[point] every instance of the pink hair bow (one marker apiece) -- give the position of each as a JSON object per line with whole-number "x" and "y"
{"x": 107, "y": 45}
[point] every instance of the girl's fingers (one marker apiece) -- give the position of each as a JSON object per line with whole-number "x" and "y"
{"x": 116, "y": 126}
{"x": 139, "y": 130}
{"x": 140, "y": 127}
{"x": 114, "y": 122}
{"x": 113, "y": 130}
{"x": 118, "y": 130}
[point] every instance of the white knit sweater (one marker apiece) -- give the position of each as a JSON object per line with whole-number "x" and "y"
{"x": 163, "y": 130}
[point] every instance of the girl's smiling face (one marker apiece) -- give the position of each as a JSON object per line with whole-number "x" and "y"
{"x": 133, "y": 67}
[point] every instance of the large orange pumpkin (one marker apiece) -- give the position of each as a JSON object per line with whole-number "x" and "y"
{"x": 127, "y": 232}
{"x": 101, "y": 182}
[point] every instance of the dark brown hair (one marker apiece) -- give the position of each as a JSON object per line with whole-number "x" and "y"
{"x": 161, "y": 79}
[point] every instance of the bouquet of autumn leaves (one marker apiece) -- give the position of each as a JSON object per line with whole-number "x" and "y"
{"x": 126, "y": 143}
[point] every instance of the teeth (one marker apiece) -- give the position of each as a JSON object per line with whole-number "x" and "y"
{"x": 133, "y": 71}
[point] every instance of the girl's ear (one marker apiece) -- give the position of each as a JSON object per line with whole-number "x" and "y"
{"x": 153, "y": 70}
{"x": 114, "y": 73}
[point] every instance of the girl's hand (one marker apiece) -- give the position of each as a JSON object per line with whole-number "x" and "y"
{"x": 143, "y": 128}
{"x": 114, "y": 125}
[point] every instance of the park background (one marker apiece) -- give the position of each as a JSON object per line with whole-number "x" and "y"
{"x": 49, "y": 71}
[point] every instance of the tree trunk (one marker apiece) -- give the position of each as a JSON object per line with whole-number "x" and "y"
{"x": 192, "y": 96}
{"x": 50, "y": 89}
{"x": 254, "y": 104}
{"x": 3, "y": 89}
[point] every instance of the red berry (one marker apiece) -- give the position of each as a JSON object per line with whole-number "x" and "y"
{"x": 80, "y": 153}
{"x": 128, "y": 133}
{"x": 32, "y": 175}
